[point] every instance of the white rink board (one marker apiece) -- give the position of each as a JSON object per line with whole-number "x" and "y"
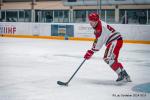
{"x": 128, "y": 31}
{"x": 133, "y": 32}
{"x": 83, "y": 30}
{"x": 41, "y": 29}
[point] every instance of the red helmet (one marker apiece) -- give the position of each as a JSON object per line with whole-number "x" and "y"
{"x": 93, "y": 16}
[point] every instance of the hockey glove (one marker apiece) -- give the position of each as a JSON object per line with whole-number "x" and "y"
{"x": 88, "y": 54}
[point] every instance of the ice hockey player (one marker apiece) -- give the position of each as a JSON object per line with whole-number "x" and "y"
{"x": 106, "y": 34}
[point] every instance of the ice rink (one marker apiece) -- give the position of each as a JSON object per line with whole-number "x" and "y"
{"x": 30, "y": 69}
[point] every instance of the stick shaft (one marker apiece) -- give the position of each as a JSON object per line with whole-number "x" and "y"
{"x": 76, "y": 71}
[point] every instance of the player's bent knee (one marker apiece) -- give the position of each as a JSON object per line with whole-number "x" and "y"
{"x": 106, "y": 60}
{"x": 109, "y": 61}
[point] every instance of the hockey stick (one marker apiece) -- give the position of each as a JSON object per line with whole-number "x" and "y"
{"x": 66, "y": 83}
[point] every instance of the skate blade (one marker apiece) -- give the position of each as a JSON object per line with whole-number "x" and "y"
{"x": 128, "y": 80}
{"x": 125, "y": 80}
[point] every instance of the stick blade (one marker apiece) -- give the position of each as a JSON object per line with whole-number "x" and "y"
{"x": 62, "y": 83}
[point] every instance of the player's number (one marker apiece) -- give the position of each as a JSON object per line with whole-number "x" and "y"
{"x": 110, "y": 28}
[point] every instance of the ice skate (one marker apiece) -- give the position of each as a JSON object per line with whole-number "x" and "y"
{"x": 123, "y": 76}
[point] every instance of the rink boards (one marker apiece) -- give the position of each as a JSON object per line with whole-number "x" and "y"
{"x": 71, "y": 31}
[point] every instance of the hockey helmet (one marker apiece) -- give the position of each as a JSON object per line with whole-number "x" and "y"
{"x": 93, "y": 16}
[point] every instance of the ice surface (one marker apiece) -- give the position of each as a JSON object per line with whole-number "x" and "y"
{"x": 30, "y": 69}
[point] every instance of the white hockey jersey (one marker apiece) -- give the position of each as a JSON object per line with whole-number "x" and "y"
{"x": 104, "y": 34}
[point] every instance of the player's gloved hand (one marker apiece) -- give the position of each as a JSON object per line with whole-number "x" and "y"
{"x": 88, "y": 54}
